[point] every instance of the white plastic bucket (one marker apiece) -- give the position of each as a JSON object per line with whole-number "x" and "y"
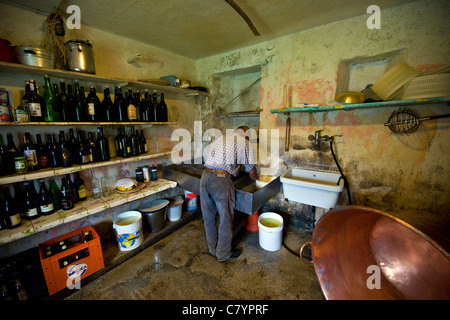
{"x": 128, "y": 229}
{"x": 175, "y": 206}
{"x": 270, "y": 237}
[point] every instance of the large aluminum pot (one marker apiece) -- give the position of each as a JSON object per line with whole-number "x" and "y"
{"x": 35, "y": 56}
{"x": 363, "y": 253}
{"x": 80, "y": 56}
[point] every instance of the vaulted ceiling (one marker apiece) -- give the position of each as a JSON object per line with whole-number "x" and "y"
{"x": 200, "y": 28}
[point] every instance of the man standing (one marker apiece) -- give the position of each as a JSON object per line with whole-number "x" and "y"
{"x": 217, "y": 193}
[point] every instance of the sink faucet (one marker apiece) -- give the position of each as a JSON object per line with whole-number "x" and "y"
{"x": 316, "y": 138}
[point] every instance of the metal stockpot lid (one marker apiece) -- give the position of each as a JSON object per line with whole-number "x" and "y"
{"x": 155, "y": 205}
{"x": 33, "y": 51}
{"x": 75, "y": 41}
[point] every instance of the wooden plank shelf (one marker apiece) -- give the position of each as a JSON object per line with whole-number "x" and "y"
{"x": 81, "y": 210}
{"x": 52, "y": 172}
{"x": 358, "y": 106}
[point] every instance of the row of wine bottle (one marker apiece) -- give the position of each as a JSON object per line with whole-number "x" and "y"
{"x": 30, "y": 205}
{"x": 64, "y": 153}
{"x": 62, "y": 105}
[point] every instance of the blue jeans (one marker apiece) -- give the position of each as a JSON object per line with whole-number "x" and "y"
{"x": 218, "y": 196}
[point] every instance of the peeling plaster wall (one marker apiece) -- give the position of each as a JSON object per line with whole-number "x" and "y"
{"x": 384, "y": 170}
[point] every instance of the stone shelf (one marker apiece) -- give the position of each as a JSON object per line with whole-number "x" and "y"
{"x": 52, "y": 172}
{"x": 81, "y": 210}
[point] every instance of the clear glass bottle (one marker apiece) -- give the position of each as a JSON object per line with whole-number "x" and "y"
{"x": 96, "y": 190}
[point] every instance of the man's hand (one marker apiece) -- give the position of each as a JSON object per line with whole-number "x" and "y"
{"x": 253, "y": 174}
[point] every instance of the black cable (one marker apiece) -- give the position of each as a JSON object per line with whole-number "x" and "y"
{"x": 342, "y": 174}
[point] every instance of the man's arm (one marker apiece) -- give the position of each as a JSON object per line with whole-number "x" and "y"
{"x": 253, "y": 174}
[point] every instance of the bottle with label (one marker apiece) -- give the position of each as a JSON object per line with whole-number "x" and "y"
{"x": 146, "y": 173}
{"x": 66, "y": 200}
{"x": 164, "y": 117}
{"x": 80, "y": 187}
{"x": 124, "y": 147}
{"x": 28, "y": 150}
{"x": 153, "y": 173}
{"x": 54, "y": 155}
{"x": 72, "y": 188}
{"x": 108, "y": 111}
{"x": 19, "y": 200}
{"x": 120, "y": 105}
{"x": 51, "y": 111}
{"x": 36, "y": 105}
{"x": 102, "y": 145}
{"x": 82, "y": 154}
{"x": 12, "y": 215}
{"x": 96, "y": 190}
{"x": 134, "y": 142}
{"x": 131, "y": 107}
{"x": 42, "y": 153}
{"x": 93, "y": 105}
{"x": 31, "y": 202}
{"x": 56, "y": 194}
{"x": 142, "y": 143}
{"x": 139, "y": 174}
{"x": 66, "y": 158}
{"x": 92, "y": 148}
{"x": 5, "y": 159}
{"x": 45, "y": 200}
{"x": 13, "y": 152}
{"x": 79, "y": 104}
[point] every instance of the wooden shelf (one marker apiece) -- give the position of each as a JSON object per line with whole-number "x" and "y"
{"x": 81, "y": 210}
{"x": 16, "y": 68}
{"x": 83, "y": 123}
{"x": 357, "y": 106}
{"x": 52, "y": 172}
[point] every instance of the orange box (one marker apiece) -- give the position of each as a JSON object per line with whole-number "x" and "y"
{"x": 82, "y": 258}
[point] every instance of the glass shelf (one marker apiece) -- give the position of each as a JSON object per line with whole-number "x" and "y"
{"x": 356, "y": 106}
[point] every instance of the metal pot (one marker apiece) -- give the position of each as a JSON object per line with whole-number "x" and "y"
{"x": 363, "y": 253}
{"x": 35, "y": 56}
{"x": 5, "y": 51}
{"x": 155, "y": 215}
{"x": 80, "y": 56}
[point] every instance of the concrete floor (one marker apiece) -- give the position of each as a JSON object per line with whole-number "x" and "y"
{"x": 179, "y": 268}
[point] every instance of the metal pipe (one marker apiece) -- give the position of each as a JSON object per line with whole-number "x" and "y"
{"x": 288, "y": 133}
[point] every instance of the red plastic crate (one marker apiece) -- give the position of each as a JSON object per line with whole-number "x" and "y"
{"x": 58, "y": 277}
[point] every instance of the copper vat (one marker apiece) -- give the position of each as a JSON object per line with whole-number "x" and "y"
{"x": 361, "y": 253}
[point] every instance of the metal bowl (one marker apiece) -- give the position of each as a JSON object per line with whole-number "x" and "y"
{"x": 351, "y": 97}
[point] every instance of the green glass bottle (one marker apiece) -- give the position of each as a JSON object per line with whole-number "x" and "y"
{"x": 79, "y": 105}
{"x": 55, "y": 194}
{"x": 51, "y": 109}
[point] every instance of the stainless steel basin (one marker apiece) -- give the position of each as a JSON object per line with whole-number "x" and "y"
{"x": 249, "y": 198}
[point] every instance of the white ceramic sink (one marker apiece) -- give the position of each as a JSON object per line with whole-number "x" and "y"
{"x": 316, "y": 188}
